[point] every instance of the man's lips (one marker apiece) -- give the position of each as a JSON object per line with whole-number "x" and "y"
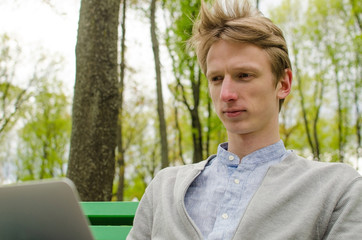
{"x": 233, "y": 112}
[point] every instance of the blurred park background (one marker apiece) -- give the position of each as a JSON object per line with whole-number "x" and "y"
{"x": 138, "y": 100}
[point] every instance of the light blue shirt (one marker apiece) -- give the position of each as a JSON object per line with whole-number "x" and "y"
{"x": 218, "y": 197}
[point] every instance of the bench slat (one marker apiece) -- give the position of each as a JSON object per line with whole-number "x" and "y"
{"x": 110, "y": 232}
{"x": 110, "y": 213}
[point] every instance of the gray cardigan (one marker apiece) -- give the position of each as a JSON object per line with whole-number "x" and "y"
{"x": 298, "y": 199}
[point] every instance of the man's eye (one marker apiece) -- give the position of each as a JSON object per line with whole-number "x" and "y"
{"x": 244, "y": 75}
{"x": 217, "y": 78}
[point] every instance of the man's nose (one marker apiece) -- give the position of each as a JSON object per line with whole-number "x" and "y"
{"x": 228, "y": 90}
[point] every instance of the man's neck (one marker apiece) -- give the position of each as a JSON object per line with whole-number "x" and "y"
{"x": 245, "y": 144}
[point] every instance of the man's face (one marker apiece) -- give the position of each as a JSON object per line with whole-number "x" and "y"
{"x": 242, "y": 88}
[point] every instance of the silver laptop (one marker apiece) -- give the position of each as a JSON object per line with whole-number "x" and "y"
{"x": 42, "y": 210}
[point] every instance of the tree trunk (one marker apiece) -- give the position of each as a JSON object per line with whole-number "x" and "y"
{"x": 318, "y": 104}
{"x": 340, "y": 122}
{"x": 196, "y": 136}
{"x": 309, "y": 133}
{"x": 208, "y": 133}
{"x": 179, "y": 139}
{"x": 302, "y": 103}
{"x": 94, "y": 128}
{"x": 195, "y": 117}
{"x": 160, "y": 109}
{"x": 120, "y": 156}
{"x": 357, "y": 88}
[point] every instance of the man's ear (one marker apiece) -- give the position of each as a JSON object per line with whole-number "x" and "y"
{"x": 285, "y": 84}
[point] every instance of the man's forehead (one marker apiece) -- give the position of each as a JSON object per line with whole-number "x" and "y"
{"x": 237, "y": 55}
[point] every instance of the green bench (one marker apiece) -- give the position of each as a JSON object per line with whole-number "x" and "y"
{"x": 110, "y": 220}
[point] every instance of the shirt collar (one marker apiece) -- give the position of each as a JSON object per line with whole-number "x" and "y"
{"x": 269, "y": 153}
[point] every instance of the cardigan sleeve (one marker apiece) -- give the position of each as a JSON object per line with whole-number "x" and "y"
{"x": 346, "y": 219}
{"x": 142, "y": 225}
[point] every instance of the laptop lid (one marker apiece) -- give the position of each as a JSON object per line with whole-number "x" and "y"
{"x": 42, "y": 210}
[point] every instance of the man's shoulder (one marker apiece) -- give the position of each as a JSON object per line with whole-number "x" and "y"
{"x": 174, "y": 174}
{"x": 300, "y": 166}
{"x": 186, "y": 169}
{"x": 172, "y": 181}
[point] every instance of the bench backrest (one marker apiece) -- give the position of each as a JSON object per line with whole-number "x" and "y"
{"x": 110, "y": 220}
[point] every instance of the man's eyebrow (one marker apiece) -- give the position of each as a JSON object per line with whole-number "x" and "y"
{"x": 246, "y": 67}
{"x": 242, "y": 67}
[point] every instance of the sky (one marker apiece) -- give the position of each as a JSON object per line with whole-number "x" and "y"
{"x": 40, "y": 28}
{"x": 50, "y": 26}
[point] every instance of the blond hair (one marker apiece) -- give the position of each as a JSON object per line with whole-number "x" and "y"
{"x": 238, "y": 21}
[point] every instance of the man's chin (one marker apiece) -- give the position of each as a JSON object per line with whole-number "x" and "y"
{"x": 239, "y": 130}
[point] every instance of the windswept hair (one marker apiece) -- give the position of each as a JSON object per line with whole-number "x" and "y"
{"x": 239, "y": 21}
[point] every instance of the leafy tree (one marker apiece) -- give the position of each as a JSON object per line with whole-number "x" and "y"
{"x": 138, "y": 119}
{"x": 44, "y": 140}
{"x": 12, "y": 95}
{"x": 351, "y": 13}
{"x": 95, "y": 109}
{"x": 321, "y": 37}
{"x": 189, "y": 80}
{"x": 139, "y": 136}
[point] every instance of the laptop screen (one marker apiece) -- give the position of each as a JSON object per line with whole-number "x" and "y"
{"x": 42, "y": 210}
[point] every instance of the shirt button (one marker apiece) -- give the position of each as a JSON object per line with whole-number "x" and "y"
{"x": 237, "y": 181}
{"x": 231, "y": 157}
{"x": 225, "y": 216}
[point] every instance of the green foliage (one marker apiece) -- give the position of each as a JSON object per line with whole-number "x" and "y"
{"x": 134, "y": 189}
{"x": 190, "y": 86}
{"x": 44, "y": 139}
{"x": 327, "y": 81}
{"x": 139, "y": 121}
{"x": 12, "y": 94}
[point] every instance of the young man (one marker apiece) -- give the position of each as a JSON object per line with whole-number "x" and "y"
{"x": 253, "y": 188}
